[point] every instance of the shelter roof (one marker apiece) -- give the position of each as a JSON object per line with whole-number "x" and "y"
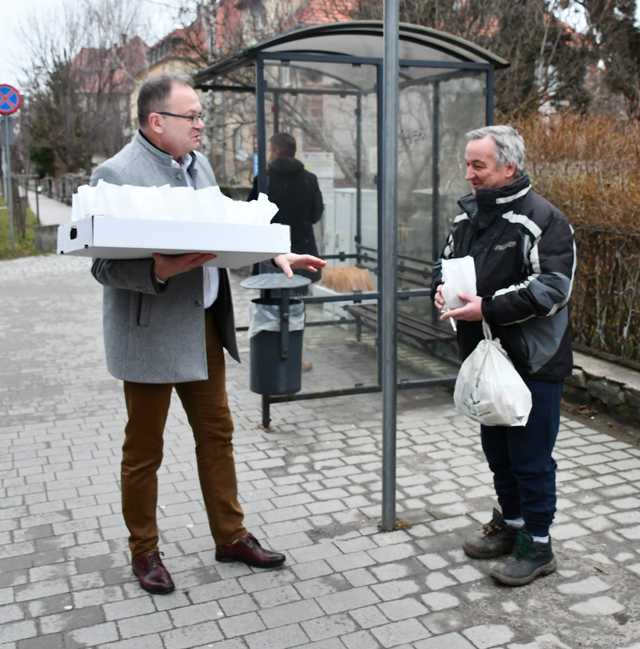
{"x": 356, "y": 39}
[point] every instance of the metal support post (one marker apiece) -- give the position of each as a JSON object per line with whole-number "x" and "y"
{"x": 435, "y": 175}
{"x": 284, "y": 326}
{"x": 389, "y": 261}
{"x": 379, "y": 229}
{"x": 266, "y": 411}
{"x": 490, "y": 90}
{"x": 261, "y": 125}
{"x": 276, "y": 112}
{"x": 8, "y": 195}
{"x": 4, "y": 165}
{"x": 435, "y": 183}
{"x": 358, "y": 177}
{"x": 37, "y": 190}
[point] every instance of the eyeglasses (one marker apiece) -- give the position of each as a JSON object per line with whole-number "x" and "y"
{"x": 198, "y": 117}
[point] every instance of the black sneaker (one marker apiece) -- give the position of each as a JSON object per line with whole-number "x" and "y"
{"x": 495, "y": 539}
{"x": 530, "y": 559}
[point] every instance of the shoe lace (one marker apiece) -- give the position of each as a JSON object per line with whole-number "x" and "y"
{"x": 155, "y": 559}
{"x": 250, "y": 539}
{"x": 492, "y": 527}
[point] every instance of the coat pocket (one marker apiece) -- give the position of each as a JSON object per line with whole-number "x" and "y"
{"x": 143, "y": 311}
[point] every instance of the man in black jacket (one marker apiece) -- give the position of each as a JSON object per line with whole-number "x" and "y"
{"x": 525, "y": 259}
{"x": 296, "y": 193}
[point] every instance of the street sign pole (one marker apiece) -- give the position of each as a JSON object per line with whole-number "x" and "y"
{"x": 4, "y": 164}
{"x": 10, "y": 102}
{"x": 6, "y": 169}
{"x": 4, "y": 160}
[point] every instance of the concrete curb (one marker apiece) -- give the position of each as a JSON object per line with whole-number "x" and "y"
{"x": 594, "y": 380}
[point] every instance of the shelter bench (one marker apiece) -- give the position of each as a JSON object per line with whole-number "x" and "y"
{"x": 432, "y": 337}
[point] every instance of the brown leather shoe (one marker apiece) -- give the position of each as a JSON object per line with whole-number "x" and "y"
{"x": 152, "y": 574}
{"x": 248, "y": 550}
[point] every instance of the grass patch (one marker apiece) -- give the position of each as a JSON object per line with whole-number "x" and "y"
{"x": 24, "y": 247}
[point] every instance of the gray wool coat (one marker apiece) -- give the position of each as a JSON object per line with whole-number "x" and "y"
{"x": 156, "y": 333}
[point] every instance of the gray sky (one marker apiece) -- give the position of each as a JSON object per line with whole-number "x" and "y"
{"x": 13, "y": 13}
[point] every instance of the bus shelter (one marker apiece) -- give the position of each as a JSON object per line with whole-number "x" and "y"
{"x": 324, "y": 85}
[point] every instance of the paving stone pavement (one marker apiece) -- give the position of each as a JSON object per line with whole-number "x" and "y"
{"x": 311, "y": 488}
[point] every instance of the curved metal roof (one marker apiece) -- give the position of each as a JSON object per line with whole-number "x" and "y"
{"x": 358, "y": 39}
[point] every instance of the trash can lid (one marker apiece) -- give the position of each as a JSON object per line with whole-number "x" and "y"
{"x": 266, "y": 281}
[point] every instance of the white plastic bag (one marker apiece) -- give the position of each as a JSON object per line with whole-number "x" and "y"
{"x": 488, "y": 388}
{"x": 266, "y": 317}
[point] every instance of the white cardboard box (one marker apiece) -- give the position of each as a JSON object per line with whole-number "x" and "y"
{"x": 235, "y": 245}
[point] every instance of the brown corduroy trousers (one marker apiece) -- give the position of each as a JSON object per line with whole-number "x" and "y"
{"x": 206, "y": 406}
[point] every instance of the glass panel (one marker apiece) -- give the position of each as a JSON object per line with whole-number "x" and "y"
{"x": 462, "y": 108}
{"x": 335, "y": 128}
{"x": 335, "y": 124}
{"x": 231, "y": 139}
{"x": 435, "y": 114}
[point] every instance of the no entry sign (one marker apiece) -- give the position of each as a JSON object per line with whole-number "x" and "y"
{"x": 10, "y": 99}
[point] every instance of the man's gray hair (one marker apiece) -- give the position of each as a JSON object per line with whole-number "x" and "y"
{"x": 154, "y": 93}
{"x": 509, "y": 144}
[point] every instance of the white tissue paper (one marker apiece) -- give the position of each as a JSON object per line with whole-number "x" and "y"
{"x": 165, "y": 203}
{"x": 127, "y": 222}
{"x": 459, "y": 276}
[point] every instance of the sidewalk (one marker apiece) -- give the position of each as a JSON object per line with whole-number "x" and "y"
{"x": 310, "y": 488}
{"x": 51, "y": 211}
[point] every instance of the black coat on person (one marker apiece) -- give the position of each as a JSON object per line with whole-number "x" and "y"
{"x": 296, "y": 193}
{"x": 525, "y": 258}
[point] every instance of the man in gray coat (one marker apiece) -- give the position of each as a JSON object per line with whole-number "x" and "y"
{"x": 166, "y": 321}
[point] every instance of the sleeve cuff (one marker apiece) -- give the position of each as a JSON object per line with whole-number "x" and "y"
{"x": 159, "y": 285}
{"x": 487, "y": 309}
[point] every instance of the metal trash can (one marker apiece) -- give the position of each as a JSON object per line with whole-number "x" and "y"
{"x": 276, "y": 331}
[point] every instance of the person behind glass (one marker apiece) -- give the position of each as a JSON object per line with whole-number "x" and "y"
{"x": 525, "y": 259}
{"x": 296, "y": 193}
{"x": 166, "y": 322}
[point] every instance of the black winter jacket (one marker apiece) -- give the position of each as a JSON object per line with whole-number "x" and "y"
{"x": 525, "y": 258}
{"x": 296, "y": 193}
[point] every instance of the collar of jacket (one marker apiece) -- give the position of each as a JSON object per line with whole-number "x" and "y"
{"x": 162, "y": 156}
{"x": 286, "y": 166}
{"x": 486, "y": 204}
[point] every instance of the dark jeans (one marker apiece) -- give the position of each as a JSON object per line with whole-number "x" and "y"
{"x": 524, "y": 471}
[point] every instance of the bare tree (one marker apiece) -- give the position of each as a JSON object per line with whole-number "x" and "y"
{"x": 547, "y": 58}
{"x": 614, "y": 37}
{"x": 78, "y": 74}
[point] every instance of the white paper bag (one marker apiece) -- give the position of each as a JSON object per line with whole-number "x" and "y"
{"x": 459, "y": 276}
{"x": 488, "y": 388}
